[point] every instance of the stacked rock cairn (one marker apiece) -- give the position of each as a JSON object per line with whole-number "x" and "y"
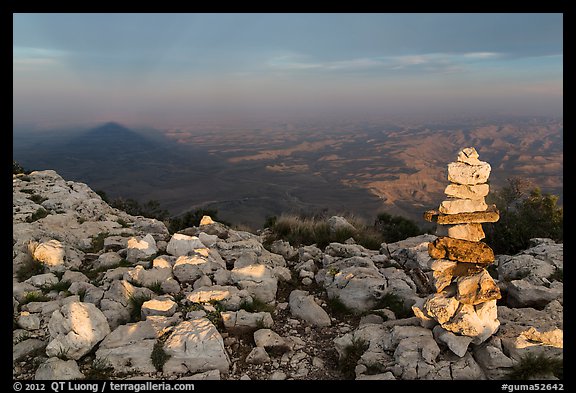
{"x": 465, "y": 300}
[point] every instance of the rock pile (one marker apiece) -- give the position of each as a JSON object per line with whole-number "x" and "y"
{"x": 466, "y": 294}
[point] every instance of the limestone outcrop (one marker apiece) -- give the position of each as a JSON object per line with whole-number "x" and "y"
{"x": 100, "y": 293}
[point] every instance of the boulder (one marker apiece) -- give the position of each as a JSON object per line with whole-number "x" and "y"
{"x": 58, "y": 369}
{"x": 457, "y": 344}
{"x": 141, "y": 248}
{"x": 230, "y": 297}
{"x": 159, "y": 306}
{"x": 75, "y": 329}
{"x": 129, "y": 347}
{"x": 258, "y": 280}
{"x": 271, "y": 341}
{"x": 51, "y": 253}
{"x": 303, "y": 306}
{"x": 242, "y": 321}
{"x": 180, "y": 245}
{"x": 195, "y": 346}
{"x": 338, "y": 223}
{"x": 522, "y": 293}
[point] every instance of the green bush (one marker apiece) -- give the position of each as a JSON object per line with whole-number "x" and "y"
{"x": 17, "y": 168}
{"x": 396, "y": 228}
{"x": 525, "y": 213}
{"x": 352, "y": 353}
{"x": 534, "y": 366}
{"x": 37, "y": 215}
{"x": 192, "y": 218}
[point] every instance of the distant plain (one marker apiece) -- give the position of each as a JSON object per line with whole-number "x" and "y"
{"x": 249, "y": 171}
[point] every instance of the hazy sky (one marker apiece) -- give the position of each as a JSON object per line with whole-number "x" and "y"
{"x": 166, "y": 69}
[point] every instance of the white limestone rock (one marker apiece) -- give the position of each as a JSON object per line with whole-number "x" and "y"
{"x": 28, "y": 321}
{"x": 51, "y": 253}
{"x": 457, "y": 344}
{"x": 271, "y": 341}
{"x": 242, "y": 321}
{"x": 469, "y": 155}
{"x": 522, "y": 293}
{"x": 229, "y": 296}
{"x": 258, "y": 355}
{"x": 357, "y": 288}
{"x": 303, "y": 306}
{"x": 26, "y": 348}
{"x": 163, "y": 306}
{"x": 129, "y": 347}
{"x": 338, "y": 223}
{"x": 180, "y": 245}
{"x": 472, "y": 232}
{"x": 463, "y": 173}
{"x": 107, "y": 260}
{"x": 75, "y": 329}
{"x": 464, "y": 191}
{"x": 195, "y": 346}
{"x": 55, "y": 369}
{"x": 258, "y": 280}
{"x": 43, "y": 280}
{"x": 478, "y": 322}
{"x": 455, "y": 206}
{"x": 141, "y": 248}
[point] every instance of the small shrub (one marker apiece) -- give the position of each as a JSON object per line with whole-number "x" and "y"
{"x": 337, "y": 308}
{"x": 534, "y": 366}
{"x": 37, "y": 215}
{"x": 31, "y": 267}
{"x": 352, "y": 353}
{"x": 256, "y": 305}
{"x": 156, "y": 287}
{"x": 99, "y": 369}
{"x": 558, "y": 275}
{"x": 215, "y": 317}
{"x": 97, "y": 242}
{"x": 17, "y": 168}
{"x": 123, "y": 223}
{"x": 394, "y": 303}
{"x": 34, "y": 297}
{"x": 396, "y": 228}
{"x": 81, "y": 294}
{"x": 58, "y": 287}
{"x": 135, "y": 303}
{"x": 159, "y": 356}
{"x": 525, "y": 213}
{"x": 38, "y": 199}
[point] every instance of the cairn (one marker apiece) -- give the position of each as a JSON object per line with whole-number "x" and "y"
{"x": 466, "y": 294}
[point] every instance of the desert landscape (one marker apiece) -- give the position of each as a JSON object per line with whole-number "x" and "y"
{"x": 252, "y": 170}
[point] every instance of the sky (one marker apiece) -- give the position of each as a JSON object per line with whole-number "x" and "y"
{"x": 167, "y": 69}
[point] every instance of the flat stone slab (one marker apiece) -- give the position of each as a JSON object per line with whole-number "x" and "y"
{"x": 491, "y": 214}
{"x": 460, "y": 250}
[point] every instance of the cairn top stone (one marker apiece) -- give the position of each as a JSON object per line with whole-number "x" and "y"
{"x": 469, "y": 155}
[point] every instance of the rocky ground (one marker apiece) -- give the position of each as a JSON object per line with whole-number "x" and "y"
{"x": 98, "y": 293}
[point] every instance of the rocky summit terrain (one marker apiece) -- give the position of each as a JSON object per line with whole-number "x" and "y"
{"x": 100, "y": 294}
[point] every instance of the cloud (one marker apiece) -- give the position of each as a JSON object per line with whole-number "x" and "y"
{"x": 28, "y": 58}
{"x": 428, "y": 62}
